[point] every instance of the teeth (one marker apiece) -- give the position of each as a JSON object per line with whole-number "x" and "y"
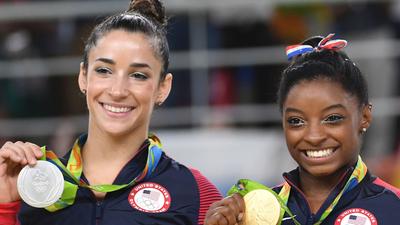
{"x": 117, "y": 109}
{"x": 319, "y": 153}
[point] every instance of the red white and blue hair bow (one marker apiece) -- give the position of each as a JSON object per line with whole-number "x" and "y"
{"x": 325, "y": 43}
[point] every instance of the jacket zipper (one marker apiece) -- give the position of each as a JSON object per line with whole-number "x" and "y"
{"x": 99, "y": 211}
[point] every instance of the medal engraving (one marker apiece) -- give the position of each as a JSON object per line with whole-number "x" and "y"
{"x": 262, "y": 208}
{"x": 41, "y": 185}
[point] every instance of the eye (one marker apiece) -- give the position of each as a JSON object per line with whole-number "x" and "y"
{"x": 295, "y": 122}
{"x": 103, "y": 70}
{"x": 333, "y": 119}
{"x": 139, "y": 76}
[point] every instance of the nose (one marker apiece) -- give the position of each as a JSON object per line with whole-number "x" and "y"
{"x": 315, "y": 134}
{"x": 118, "y": 87}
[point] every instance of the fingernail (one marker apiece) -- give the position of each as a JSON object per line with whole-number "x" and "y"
{"x": 240, "y": 217}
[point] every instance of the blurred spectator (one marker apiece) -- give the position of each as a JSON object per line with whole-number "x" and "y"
{"x": 293, "y": 23}
{"x": 24, "y": 97}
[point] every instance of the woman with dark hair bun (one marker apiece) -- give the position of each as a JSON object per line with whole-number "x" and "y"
{"x": 116, "y": 173}
{"x": 323, "y": 99}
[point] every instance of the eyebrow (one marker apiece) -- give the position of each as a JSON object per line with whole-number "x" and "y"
{"x": 105, "y": 60}
{"x": 334, "y": 107}
{"x": 140, "y": 65}
{"x": 112, "y": 62}
{"x": 294, "y": 110}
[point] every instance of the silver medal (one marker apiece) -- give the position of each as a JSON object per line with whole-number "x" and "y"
{"x": 41, "y": 185}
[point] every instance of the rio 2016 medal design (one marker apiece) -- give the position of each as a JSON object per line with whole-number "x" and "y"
{"x": 40, "y": 185}
{"x": 262, "y": 208}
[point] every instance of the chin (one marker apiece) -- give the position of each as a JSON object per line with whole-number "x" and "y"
{"x": 116, "y": 133}
{"x": 321, "y": 174}
{"x": 320, "y": 171}
{"x": 117, "y": 129}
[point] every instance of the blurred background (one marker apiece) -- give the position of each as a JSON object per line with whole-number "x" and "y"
{"x": 226, "y": 57}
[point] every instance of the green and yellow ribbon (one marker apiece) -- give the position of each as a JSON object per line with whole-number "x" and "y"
{"x": 74, "y": 168}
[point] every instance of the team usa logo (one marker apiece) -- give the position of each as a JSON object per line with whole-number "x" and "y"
{"x": 150, "y": 197}
{"x": 356, "y": 216}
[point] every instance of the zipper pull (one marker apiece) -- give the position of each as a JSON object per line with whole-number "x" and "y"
{"x": 99, "y": 210}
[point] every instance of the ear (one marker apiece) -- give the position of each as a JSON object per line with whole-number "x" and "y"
{"x": 82, "y": 78}
{"x": 164, "y": 89}
{"x": 366, "y": 119}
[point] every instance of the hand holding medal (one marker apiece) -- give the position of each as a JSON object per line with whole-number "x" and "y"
{"x": 263, "y": 205}
{"x": 13, "y": 157}
{"x": 41, "y": 185}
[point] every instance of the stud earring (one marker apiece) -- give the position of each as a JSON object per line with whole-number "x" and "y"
{"x": 363, "y": 130}
{"x": 84, "y": 91}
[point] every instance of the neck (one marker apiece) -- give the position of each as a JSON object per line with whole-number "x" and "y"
{"x": 101, "y": 147}
{"x": 317, "y": 189}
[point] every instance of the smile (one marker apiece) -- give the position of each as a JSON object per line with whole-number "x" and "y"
{"x": 115, "y": 109}
{"x": 319, "y": 153}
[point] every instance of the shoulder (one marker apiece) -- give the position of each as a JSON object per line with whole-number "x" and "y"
{"x": 380, "y": 183}
{"x": 380, "y": 199}
{"x": 170, "y": 167}
{"x": 206, "y": 188}
{"x": 189, "y": 186}
{"x": 190, "y": 175}
{"x": 194, "y": 175}
{"x": 208, "y": 194}
{"x": 192, "y": 179}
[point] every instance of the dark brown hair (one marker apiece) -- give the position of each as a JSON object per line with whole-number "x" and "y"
{"x": 144, "y": 16}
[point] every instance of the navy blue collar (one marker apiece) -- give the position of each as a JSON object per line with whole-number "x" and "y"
{"x": 297, "y": 196}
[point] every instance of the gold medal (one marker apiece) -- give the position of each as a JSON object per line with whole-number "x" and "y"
{"x": 262, "y": 208}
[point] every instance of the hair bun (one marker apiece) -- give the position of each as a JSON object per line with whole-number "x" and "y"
{"x": 152, "y": 9}
{"x": 313, "y": 41}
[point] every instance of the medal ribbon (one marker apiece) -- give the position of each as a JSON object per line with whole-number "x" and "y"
{"x": 356, "y": 177}
{"x": 244, "y": 186}
{"x": 73, "y": 170}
